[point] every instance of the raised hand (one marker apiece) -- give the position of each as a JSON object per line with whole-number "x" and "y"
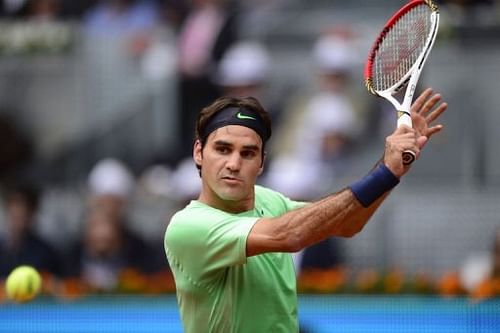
{"x": 424, "y": 111}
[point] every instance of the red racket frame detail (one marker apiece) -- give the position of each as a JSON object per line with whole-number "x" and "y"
{"x": 387, "y": 27}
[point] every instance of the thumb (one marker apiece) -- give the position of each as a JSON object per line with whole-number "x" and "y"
{"x": 422, "y": 141}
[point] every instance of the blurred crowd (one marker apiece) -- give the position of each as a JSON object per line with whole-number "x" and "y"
{"x": 317, "y": 130}
{"x": 324, "y": 119}
{"x": 104, "y": 247}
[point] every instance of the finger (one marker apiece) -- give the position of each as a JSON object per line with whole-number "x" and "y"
{"x": 405, "y": 141}
{"x": 404, "y": 129}
{"x": 421, "y": 100}
{"x": 421, "y": 141}
{"x": 429, "y": 104}
{"x": 436, "y": 113}
{"x": 407, "y": 135}
{"x": 433, "y": 130}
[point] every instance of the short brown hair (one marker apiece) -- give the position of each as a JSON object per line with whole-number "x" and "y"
{"x": 223, "y": 103}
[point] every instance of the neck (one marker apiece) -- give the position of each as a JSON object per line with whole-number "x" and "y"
{"x": 230, "y": 206}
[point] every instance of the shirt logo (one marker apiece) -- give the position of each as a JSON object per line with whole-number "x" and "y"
{"x": 242, "y": 116}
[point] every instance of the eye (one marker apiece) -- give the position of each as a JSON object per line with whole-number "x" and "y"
{"x": 222, "y": 149}
{"x": 248, "y": 154}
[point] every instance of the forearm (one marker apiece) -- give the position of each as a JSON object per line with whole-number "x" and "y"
{"x": 340, "y": 214}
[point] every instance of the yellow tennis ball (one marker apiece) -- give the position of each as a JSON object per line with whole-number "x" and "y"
{"x": 23, "y": 284}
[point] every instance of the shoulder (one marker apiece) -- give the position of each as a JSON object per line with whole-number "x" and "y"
{"x": 208, "y": 233}
{"x": 196, "y": 211}
{"x": 267, "y": 193}
{"x": 275, "y": 201}
{"x": 195, "y": 219}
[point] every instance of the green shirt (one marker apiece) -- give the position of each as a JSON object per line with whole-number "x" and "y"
{"x": 219, "y": 289}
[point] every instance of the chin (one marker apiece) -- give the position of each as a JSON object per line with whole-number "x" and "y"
{"x": 232, "y": 195}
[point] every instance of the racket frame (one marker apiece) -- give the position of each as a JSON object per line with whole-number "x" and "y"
{"x": 410, "y": 79}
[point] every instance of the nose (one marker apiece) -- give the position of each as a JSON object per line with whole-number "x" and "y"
{"x": 234, "y": 162}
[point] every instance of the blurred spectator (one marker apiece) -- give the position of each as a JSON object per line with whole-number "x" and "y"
{"x": 39, "y": 10}
{"x": 173, "y": 12}
{"x": 132, "y": 21}
{"x": 44, "y": 10}
{"x": 52, "y": 9}
{"x": 75, "y": 9}
{"x": 12, "y": 8}
{"x": 121, "y": 17}
{"x": 317, "y": 133}
{"x": 106, "y": 250}
{"x": 244, "y": 70}
{"x": 108, "y": 246}
{"x": 321, "y": 132}
{"x": 110, "y": 185}
{"x": 210, "y": 28}
{"x": 21, "y": 244}
{"x": 480, "y": 268}
{"x": 16, "y": 150}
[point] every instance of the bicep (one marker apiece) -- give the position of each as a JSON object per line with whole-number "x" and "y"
{"x": 337, "y": 215}
{"x": 269, "y": 235}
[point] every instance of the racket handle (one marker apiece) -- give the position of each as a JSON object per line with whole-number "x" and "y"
{"x": 405, "y": 119}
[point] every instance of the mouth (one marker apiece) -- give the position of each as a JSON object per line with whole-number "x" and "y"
{"x": 231, "y": 180}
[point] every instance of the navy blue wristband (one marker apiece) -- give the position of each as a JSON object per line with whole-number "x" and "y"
{"x": 374, "y": 185}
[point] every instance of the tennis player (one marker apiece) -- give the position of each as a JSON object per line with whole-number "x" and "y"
{"x": 229, "y": 250}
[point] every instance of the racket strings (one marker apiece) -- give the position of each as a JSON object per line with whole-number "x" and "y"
{"x": 401, "y": 46}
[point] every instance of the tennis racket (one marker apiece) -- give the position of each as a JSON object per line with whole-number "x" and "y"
{"x": 398, "y": 56}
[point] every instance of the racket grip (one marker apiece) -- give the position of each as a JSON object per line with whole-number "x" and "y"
{"x": 404, "y": 118}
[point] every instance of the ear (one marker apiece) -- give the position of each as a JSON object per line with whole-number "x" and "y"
{"x": 197, "y": 152}
{"x": 262, "y": 164}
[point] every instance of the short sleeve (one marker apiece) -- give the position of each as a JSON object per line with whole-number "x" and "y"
{"x": 201, "y": 245}
{"x": 275, "y": 202}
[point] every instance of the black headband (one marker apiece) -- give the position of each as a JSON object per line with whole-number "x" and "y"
{"x": 237, "y": 116}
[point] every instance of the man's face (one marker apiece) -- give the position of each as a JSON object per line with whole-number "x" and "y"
{"x": 231, "y": 161}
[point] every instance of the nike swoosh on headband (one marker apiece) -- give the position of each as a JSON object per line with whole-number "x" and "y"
{"x": 242, "y": 116}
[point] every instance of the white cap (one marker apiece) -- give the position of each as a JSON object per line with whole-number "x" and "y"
{"x": 333, "y": 54}
{"x": 110, "y": 177}
{"x": 332, "y": 113}
{"x": 476, "y": 268}
{"x": 244, "y": 63}
{"x": 186, "y": 182}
